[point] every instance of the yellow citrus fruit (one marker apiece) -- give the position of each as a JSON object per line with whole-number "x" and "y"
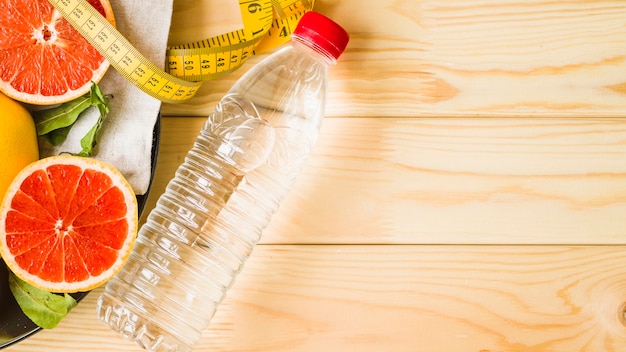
{"x": 68, "y": 223}
{"x": 18, "y": 140}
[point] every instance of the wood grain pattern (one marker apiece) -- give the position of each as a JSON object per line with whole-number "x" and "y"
{"x": 402, "y": 298}
{"x": 466, "y": 194}
{"x": 469, "y": 58}
{"x": 194, "y": 21}
{"x": 452, "y": 181}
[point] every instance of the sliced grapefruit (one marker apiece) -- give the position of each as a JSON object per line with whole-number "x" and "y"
{"x": 43, "y": 59}
{"x": 67, "y": 223}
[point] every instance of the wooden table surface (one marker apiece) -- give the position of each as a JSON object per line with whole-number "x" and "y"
{"x": 467, "y": 193}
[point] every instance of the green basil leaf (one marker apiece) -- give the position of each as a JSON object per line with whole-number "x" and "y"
{"x": 54, "y": 124}
{"x": 89, "y": 141}
{"x": 42, "y": 307}
{"x": 57, "y": 136}
{"x": 62, "y": 116}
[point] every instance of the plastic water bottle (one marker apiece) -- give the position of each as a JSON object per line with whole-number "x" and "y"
{"x": 213, "y": 211}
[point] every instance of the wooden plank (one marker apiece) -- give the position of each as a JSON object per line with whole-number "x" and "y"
{"x": 461, "y": 58}
{"x": 453, "y": 181}
{"x": 401, "y": 298}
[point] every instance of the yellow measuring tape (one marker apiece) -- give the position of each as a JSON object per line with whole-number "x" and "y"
{"x": 267, "y": 24}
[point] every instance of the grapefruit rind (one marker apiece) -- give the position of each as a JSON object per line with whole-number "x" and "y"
{"x": 70, "y": 94}
{"x": 131, "y": 218}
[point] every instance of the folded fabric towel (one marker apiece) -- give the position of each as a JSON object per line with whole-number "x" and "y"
{"x": 127, "y": 133}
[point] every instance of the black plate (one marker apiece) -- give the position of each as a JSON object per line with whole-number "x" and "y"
{"x": 14, "y": 325}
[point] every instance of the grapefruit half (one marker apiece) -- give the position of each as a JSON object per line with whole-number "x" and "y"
{"x": 67, "y": 223}
{"x": 43, "y": 59}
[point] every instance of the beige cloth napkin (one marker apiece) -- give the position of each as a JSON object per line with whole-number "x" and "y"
{"x": 126, "y": 139}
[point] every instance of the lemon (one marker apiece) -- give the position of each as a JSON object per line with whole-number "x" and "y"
{"x": 18, "y": 141}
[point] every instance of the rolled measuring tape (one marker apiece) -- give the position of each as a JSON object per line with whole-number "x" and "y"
{"x": 267, "y": 24}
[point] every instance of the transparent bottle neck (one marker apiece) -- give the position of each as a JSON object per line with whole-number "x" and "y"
{"x": 313, "y": 49}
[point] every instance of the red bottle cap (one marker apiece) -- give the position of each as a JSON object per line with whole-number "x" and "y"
{"x": 323, "y": 32}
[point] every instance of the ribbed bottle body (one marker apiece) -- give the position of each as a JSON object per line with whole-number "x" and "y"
{"x": 206, "y": 224}
{"x": 185, "y": 257}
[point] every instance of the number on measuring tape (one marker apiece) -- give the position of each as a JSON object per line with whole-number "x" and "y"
{"x": 267, "y": 24}
{"x": 216, "y": 56}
